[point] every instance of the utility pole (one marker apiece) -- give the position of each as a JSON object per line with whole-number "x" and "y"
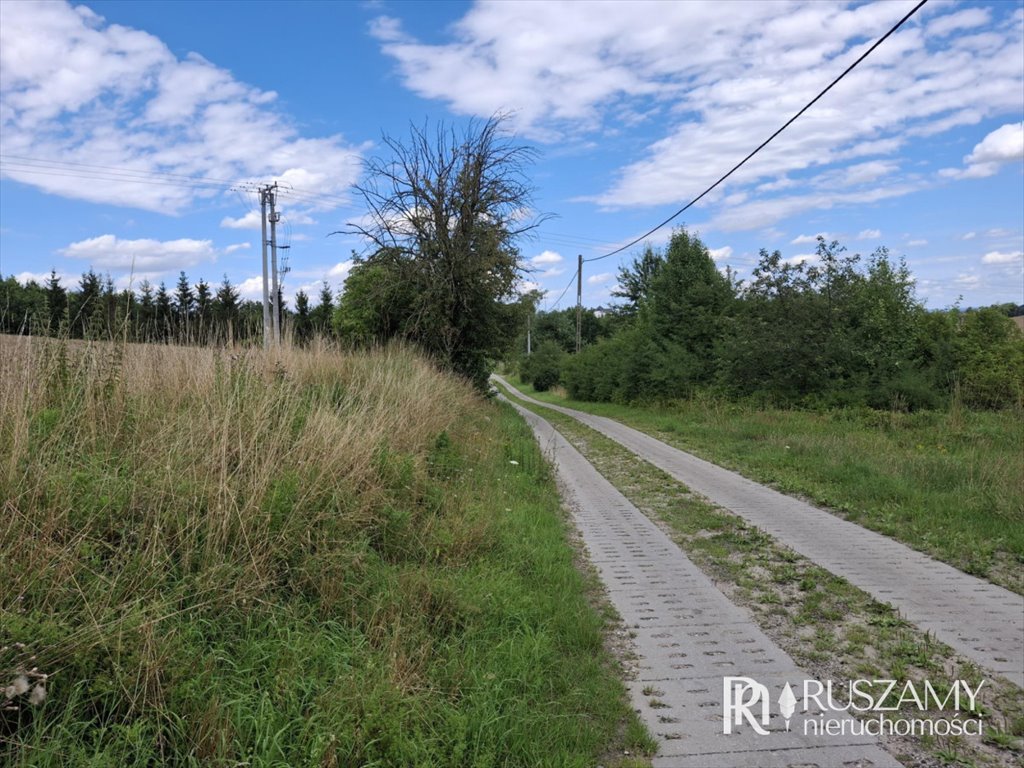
{"x": 266, "y": 298}
{"x": 276, "y": 300}
{"x": 579, "y": 302}
{"x": 529, "y": 323}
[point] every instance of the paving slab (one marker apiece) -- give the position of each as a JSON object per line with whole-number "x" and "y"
{"x": 979, "y": 620}
{"x": 688, "y": 636}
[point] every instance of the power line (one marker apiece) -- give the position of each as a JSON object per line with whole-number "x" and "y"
{"x": 767, "y": 141}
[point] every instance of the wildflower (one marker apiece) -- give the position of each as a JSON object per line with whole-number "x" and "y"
{"x": 20, "y": 685}
{"x": 38, "y": 695}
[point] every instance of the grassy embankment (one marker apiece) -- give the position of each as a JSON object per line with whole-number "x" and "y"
{"x": 831, "y": 629}
{"x": 301, "y": 559}
{"x": 949, "y": 484}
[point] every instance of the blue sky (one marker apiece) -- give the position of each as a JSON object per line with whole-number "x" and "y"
{"x": 115, "y": 116}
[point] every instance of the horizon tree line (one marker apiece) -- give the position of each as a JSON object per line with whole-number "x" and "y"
{"x": 184, "y": 313}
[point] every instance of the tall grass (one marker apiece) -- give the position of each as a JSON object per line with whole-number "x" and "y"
{"x": 290, "y": 558}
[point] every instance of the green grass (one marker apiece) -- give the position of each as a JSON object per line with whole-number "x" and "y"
{"x": 323, "y": 561}
{"x": 949, "y": 484}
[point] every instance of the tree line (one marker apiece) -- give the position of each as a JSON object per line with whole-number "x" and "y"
{"x": 188, "y": 313}
{"x": 839, "y": 330}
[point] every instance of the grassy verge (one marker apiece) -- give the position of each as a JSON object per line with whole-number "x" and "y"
{"x": 301, "y": 559}
{"x": 829, "y": 627}
{"x": 948, "y": 484}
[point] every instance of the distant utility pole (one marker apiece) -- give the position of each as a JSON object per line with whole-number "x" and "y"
{"x": 529, "y": 328}
{"x": 271, "y": 311}
{"x": 276, "y": 300}
{"x": 264, "y": 191}
{"x": 579, "y": 302}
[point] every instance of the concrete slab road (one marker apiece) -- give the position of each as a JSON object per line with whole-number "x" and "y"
{"x": 689, "y": 637}
{"x": 979, "y": 620}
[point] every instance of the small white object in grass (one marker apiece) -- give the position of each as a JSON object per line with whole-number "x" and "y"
{"x": 38, "y": 695}
{"x": 514, "y": 462}
{"x": 20, "y": 685}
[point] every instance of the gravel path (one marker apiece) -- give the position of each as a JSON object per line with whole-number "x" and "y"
{"x": 979, "y": 620}
{"x": 688, "y": 635}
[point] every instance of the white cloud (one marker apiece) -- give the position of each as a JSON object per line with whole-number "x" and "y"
{"x": 251, "y": 220}
{"x": 805, "y": 239}
{"x": 546, "y": 257}
{"x": 869, "y": 234}
{"x": 65, "y": 278}
{"x": 77, "y": 90}
{"x": 966, "y": 280}
{"x": 237, "y": 247}
{"x": 341, "y": 269}
{"x": 1000, "y": 257}
{"x": 251, "y": 288}
{"x": 600, "y": 279}
{"x": 143, "y": 256}
{"x": 969, "y": 236}
{"x": 566, "y": 68}
{"x": 1004, "y": 145}
{"x": 916, "y": 243}
{"x": 717, "y": 254}
{"x": 801, "y": 258}
{"x": 966, "y": 19}
{"x": 553, "y": 272}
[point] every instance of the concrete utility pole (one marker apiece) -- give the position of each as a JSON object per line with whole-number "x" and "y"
{"x": 579, "y": 302}
{"x": 263, "y": 240}
{"x": 276, "y": 299}
{"x": 529, "y": 324}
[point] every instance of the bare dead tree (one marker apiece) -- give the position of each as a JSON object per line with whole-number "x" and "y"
{"x": 444, "y": 214}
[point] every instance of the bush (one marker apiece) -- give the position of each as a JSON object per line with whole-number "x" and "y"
{"x": 543, "y": 369}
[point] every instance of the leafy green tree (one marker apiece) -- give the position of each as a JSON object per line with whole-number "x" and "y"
{"x": 321, "y": 316}
{"x": 444, "y": 214}
{"x": 302, "y": 324}
{"x": 203, "y": 310}
{"x": 164, "y": 314}
{"x": 225, "y": 310}
{"x": 685, "y": 312}
{"x": 543, "y": 368}
{"x": 86, "y": 303}
{"x": 145, "y": 323}
{"x": 56, "y": 303}
{"x": 634, "y": 284}
{"x": 184, "y": 307}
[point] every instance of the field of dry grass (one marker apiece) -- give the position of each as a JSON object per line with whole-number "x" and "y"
{"x": 301, "y": 557}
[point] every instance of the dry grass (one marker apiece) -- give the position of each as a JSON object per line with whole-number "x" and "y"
{"x": 202, "y": 443}
{"x": 215, "y": 557}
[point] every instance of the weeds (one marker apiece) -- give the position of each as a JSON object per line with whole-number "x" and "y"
{"x": 296, "y": 558}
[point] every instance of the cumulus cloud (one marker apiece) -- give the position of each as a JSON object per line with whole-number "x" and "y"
{"x": 916, "y": 243}
{"x": 568, "y": 68}
{"x": 251, "y": 220}
{"x": 801, "y": 258}
{"x": 600, "y": 279}
{"x": 805, "y": 239}
{"x": 717, "y": 254}
{"x": 1000, "y": 257}
{"x": 969, "y": 236}
{"x": 143, "y": 256}
{"x": 237, "y": 247}
{"x": 546, "y": 257}
{"x": 869, "y": 234}
{"x": 1004, "y": 145}
{"x": 84, "y": 101}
